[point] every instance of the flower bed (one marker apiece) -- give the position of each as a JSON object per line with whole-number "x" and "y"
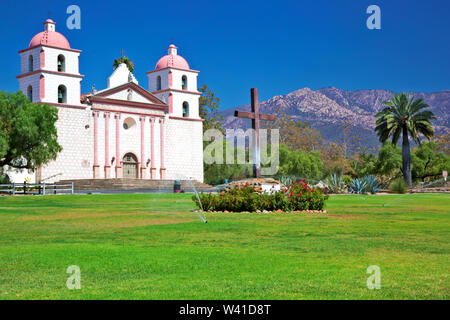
{"x": 296, "y": 197}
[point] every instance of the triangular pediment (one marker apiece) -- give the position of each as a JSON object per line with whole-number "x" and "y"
{"x": 129, "y": 92}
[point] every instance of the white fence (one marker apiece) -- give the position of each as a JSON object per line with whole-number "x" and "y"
{"x": 36, "y": 188}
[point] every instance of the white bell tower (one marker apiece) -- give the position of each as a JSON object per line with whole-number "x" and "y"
{"x": 175, "y": 83}
{"x": 50, "y": 69}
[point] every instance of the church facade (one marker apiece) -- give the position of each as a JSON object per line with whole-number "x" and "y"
{"x": 122, "y": 131}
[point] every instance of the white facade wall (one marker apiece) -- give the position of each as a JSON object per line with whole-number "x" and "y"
{"x": 120, "y": 76}
{"x": 76, "y": 159}
{"x": 184, "y": 149}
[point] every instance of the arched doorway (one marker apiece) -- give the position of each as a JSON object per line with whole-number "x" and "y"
{"x": 130, "y": 166}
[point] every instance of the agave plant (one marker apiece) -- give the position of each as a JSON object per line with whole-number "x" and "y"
{"x": 358, "y": 186}
{"x": 335, "y": 184}
{"x": 286, "y": 180}
{"x": 373, "y": 184}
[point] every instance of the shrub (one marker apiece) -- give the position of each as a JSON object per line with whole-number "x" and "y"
{"x": 347, "y": 179}
{"x": 298, "y": 196}
{"x": 335, "y": 184}
{"x": 398, "y": 186}
{"x": 373, "y": 184}
{"x": 358, "y": 186}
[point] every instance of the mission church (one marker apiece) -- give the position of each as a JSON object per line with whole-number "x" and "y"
{"x": 122, "y": 131}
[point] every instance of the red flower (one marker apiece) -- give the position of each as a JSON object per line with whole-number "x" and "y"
{"x": 298, "y": 195}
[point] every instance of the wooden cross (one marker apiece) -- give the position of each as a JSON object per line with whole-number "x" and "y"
{"x": 122, "y": 52}
{"x": 255, "y": 116}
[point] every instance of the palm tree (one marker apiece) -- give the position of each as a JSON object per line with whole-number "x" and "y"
{"x": 126, "y": 60}
{"x": 404, "y": 115}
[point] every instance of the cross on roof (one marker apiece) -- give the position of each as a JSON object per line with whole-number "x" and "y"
{"x": 255, "y": 116}
{"x": 122, "y": 52}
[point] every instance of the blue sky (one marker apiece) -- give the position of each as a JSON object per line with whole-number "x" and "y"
{"x": 277, "y": 46}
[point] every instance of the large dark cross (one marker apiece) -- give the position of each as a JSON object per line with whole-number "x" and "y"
{"x": 255, "y": 116}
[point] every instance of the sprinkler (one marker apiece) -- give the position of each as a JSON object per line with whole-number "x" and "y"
{"x": 201, "y": 216}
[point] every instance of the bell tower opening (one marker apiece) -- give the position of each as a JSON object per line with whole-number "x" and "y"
{"x": 62, "y": 94}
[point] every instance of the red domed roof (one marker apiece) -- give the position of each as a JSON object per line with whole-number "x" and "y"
{"x": 172, "y": 60}
{"x": 50, "y": 37}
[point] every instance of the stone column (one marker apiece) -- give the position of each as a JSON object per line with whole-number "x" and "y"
{"x": 118, "y": 160}
{"x": 107, "y": 159}
{"x": 96, "y": 165}
{"x": 143, "y": 174}
{"x": 162, "y": 173}
{"x": 152, "y": 149}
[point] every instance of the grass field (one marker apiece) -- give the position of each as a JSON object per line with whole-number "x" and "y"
{"x": 150, "y": 246}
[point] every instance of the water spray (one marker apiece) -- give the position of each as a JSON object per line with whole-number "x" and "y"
{"x": 201, "y": 214}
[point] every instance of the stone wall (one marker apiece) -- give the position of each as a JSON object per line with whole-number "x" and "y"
{"x": 75, "y": 135}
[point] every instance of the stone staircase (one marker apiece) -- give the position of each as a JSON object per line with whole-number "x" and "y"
{"x": 144, "y": 185}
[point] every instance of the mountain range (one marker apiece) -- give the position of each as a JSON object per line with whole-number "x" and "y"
{"x": 329, "y": 109}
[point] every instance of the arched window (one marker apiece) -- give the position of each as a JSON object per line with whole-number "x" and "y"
{"x": 184, "y": 83}
{"x": 61, "y": 63}
{"x": 158, "y": 83}
{"x": 62, "y": 94}
{"x": 185, "y": 109}
{"x": 30, "y": 63}
{"x": 30, "y": 93}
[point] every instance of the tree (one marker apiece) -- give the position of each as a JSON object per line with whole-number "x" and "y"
{"x": 363, "y": 164}
{"x": 296, "y": 134}
{"x": 428, "y": 163}
{"x": 28, "y": 136}
{"x": 333, "y": 158}
{"x": 209, "y": 109}
{"x": 404, "y": 116}
{"x": 126, "y": 60}
{"x": 300, "y": 163}
{"x": 443, "y": 142}
{"x": 389, "y": 162}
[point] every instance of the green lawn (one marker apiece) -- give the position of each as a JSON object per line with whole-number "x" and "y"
{"x": 150, "y": 246}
